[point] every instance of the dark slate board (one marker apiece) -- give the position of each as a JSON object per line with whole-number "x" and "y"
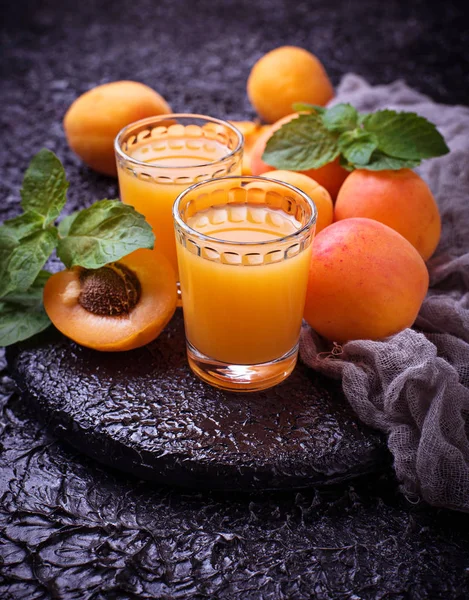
{"x": 144, "y": 412}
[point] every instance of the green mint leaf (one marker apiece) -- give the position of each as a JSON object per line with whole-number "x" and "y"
{"x": 33, "y": 295}
{"x": 305, "y": 107}
{"x": 345, "y": 163}
{"x": 405, "y": 135}
{"x": 8, "y": 243}
{"x": 66, "y": 223}
{"x": 25, "y": 224}
{"x": 380, "y": 162}
{"x": 362, "y": 118}
{"x": 44, "y": 190}
{"x": 25, "y": 260}
{"x": 340, "y": 117}
{"x": 18, "y": 322}
{"x": 301, "y": 144}
{"x": 103, "y": 233}
{"x": 22, "y": 314}
{"x": 357, "y": 146}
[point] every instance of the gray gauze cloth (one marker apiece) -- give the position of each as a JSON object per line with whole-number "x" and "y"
{"x": 414, "y": 386}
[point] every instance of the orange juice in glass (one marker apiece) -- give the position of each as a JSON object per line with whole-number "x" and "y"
{"x": 159, "y": 157}
{"x": 244, "y": 248}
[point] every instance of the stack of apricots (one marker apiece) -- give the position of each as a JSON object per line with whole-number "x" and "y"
{"x": 375, "y": 229}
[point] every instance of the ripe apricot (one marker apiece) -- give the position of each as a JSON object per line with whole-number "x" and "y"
{"x": 366, "y": 281}
{"x": 319, "y": 195}
{"x": 400, "y": 199}
{"x": 284, "y": 76}
{"x": 96, "y": 117}
{"x": 331, "y": 176}
{"x": 118, "y": 307}
{"x": 251, "y": 132}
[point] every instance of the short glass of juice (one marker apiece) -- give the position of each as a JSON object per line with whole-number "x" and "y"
{"x": 244, "y": 251}
{"x": 159, "y": 157}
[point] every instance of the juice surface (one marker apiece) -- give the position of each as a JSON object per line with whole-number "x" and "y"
{"x": 244, "y": 223}
{"x": 237, "y": 313}
{"x": 155, "y": 199}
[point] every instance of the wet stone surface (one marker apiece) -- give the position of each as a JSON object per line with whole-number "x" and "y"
{"x": 71, "y": 528}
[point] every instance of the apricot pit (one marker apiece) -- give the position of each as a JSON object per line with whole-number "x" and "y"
{"x": 110, "y": 291}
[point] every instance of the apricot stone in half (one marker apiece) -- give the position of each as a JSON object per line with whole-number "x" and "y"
{"x": 120, "y": 306}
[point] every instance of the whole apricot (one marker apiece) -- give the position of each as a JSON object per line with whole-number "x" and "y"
{"x": 400, "y": 199}
{"x": 121, "y": 306}
{"x": 251, "y": 131}
{"x": 366, "y": 281}
{"x": 319, "y": 195}
{"x": 331, "y": 176}
{"x": 284, "y": 76}
{"x": 96, "y": 117}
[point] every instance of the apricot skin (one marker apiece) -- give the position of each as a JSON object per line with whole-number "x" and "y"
{"x": 330, "y": 176}
{"x": 111, "y": 334}
{"x": 318, "y": 194}
{"x": 96, "y": 117}
{"x": 366, "y": 281}
{"x": 400, "y": 199}
{"x": 286, "y": 75}
{"x": 251, "y": 132}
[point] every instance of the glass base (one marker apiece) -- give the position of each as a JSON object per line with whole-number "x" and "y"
{"x": 241, "y": 378}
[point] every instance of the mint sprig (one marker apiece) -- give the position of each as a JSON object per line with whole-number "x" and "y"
{"x": 303, "y": 143}
{"x": 340, "y": 118}
{"x": 102, "y": 233}
{"x": 45, "y": 185}
{"x": 405, "y": 135}
{"x": 385, "y": 139}
{"x": 22, "y": 314}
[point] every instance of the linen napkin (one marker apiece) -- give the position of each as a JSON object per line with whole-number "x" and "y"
{"x": 414, "y": 386}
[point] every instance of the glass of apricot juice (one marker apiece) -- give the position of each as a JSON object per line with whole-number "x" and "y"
{"x": 158, "y": 157}
{"x": 244, "y": 249}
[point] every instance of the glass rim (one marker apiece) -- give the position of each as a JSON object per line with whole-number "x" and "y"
{"x": 183, "y": 225}
{"x": 147, "y": 120}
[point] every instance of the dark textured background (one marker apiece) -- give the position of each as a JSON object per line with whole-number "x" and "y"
{"x": 70, "y": 528}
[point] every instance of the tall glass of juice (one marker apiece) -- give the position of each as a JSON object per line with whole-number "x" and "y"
{"x": 159, "y": 157}
{"x": 244, "y": 250}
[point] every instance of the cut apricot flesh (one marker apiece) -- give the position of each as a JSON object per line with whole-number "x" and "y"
{"x": 142, "y": 324}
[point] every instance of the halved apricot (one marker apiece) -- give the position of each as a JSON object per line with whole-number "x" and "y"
{"x": 121, "y": 306}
